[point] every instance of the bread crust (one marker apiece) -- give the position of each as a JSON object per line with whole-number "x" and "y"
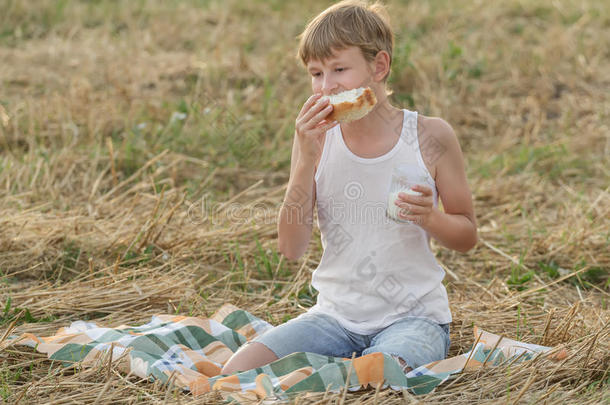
{"x": 350, "y": 111}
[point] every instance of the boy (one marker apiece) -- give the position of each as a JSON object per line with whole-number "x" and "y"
{"x": 379, "y": 286}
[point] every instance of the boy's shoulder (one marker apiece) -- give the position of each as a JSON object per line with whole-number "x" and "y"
{"x": 435, "y": 127}
{"x": 437, "y": 141}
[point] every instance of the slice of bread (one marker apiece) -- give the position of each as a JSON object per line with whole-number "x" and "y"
{"x": 351, "y": 105}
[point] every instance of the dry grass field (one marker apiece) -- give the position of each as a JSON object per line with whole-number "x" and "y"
{"x": 145, "y": 151}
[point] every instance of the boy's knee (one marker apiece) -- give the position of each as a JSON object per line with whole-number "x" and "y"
{"x": 403, "y": 364}
{"x": 400, "y": 360}
{"x": 247, "y": 357}
{"x": 228, "y": 369}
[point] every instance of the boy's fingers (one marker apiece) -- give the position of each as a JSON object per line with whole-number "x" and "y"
{"x": 330, "y": 125}
{"x": 319, "y": 105}
{"x": 414, "y": 199}
{"x": 312, "y": 99}
{"x": 410, "y": 208}
{"x": 326, "y": 125}
{"x": 316, "y": 113}
{"x": 324, "y": 112}
{"x": 423, "y": 189}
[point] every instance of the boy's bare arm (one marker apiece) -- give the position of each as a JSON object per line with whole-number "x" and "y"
{"x": 456, "y": 227}
{"x": 295, "y": 219}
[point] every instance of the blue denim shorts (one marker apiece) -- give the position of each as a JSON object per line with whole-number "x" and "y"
{"x": 418, "y": 341}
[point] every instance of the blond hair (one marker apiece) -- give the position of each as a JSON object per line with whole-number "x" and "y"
{"x": 347, "y": 23}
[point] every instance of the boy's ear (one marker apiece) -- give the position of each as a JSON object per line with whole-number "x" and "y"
{"x": 381, "y": 65}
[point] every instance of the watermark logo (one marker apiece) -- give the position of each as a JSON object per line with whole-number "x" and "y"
{"x": 353, "y": 190}
{"x": 218, "y": 117}
{"x": 365, "y": 269}
{"x": 204, "y": 212}
{"x": 386, "y": 286}
{"x": 411, "y": 130}
{"x": 338, "y": 239}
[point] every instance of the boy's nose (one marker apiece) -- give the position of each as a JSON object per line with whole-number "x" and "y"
{"x": 329, "y": 86}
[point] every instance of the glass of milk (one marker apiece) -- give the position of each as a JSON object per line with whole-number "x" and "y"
{"x": 404, "y": 177}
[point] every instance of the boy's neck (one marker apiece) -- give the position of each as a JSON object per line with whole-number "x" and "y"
{"x": 379, "y": 121}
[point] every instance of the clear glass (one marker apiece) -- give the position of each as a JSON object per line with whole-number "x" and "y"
{"x": 404, "y": 177}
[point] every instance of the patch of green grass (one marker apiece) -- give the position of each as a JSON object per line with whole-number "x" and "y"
{"x": 71, "y": 255}
{"x": 238, "y": 267}
{"x": 401, "y": 59}
{"x": 518, "y": 280}
{"x": 452, "y": 60}
{"x": 404, "y": 99}
{"x": 200, "y": 128}
{"x": 134, "y": 150}
{"x": 532, "y": 11}
{"x": 518, "y": 277}
{"x": 570, "y": 18}
{"x": 68, "y": 263}
{"x": 516, "y": 28}
{"x": 551, "y": 269}
{"x": 549, "y": 161}
{"x": 267, "y": 262}
{"x": 426, "y": 25}
{"x": 595, "y": 275}
{"x": 270, "y": 318}
{"x": 237, "y": 263}
{"x": 8, "y": 378}
{"x": 5, "y": 278}
{"x": 7, "y": 306}
{"x": 10, "y": 313}
{"x": 134, "y": 258}
{"x": 22, "y": 21}
{"x": 457, "y": 64}
{"x": 477, "y": 69}
{"x": 306, "y": 296}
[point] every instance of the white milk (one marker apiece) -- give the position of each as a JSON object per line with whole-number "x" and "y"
{"x": 393, "y": 209}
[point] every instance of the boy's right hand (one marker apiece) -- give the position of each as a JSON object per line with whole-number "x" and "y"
{"x": 311, "y": 125}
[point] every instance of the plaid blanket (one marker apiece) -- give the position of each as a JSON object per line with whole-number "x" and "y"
{"x": 190, "y": 352}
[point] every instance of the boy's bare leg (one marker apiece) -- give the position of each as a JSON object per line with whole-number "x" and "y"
{"x": 249, "y": 356}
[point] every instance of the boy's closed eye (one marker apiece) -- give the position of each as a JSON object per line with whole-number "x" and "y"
{"x": 315, "y": 74}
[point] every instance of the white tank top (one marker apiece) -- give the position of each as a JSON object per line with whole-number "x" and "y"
{"x": 373, "y": 271}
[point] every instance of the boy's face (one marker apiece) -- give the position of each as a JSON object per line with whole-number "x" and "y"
{"x": 347, "y": 69}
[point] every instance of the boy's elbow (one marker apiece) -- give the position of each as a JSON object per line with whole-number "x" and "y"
{"x": 467, "y": 248}
{"x": 291, "y": 255}
{"x": 472, "y": 243}
{"x": 288, "y": 253}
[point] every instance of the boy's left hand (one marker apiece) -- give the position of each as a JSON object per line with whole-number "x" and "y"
{"x": 416, "y": 208}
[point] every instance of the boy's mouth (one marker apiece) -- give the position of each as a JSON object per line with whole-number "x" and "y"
{"x": 351, "y": 105}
